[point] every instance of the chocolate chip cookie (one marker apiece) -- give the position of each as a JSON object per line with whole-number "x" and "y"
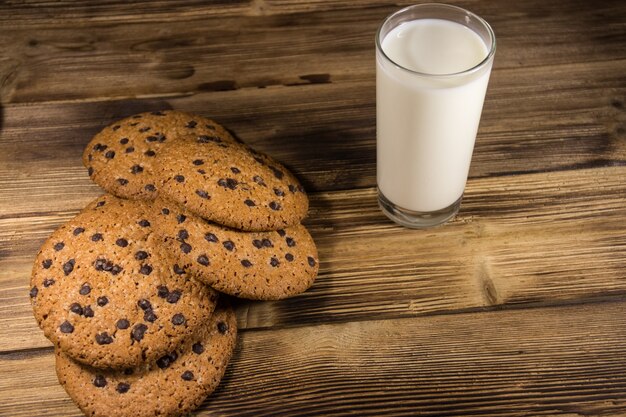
{"x": 255, "y": 265}
{"x": 106, "y": 293}
{"x": 174, "y": 385}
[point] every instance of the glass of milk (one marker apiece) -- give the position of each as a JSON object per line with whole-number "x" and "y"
{"x": 433, "y": 63}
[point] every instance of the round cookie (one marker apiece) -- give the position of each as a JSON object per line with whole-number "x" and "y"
{"x": 255, "y": 265}
{"x": 104, "y": 290}
{"x": 230, "y": 184}
{"x": 174, "y": 385}
{"x": 121, "y": 158}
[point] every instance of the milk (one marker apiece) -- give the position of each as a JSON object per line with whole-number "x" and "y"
{"x": 427, "y": 117}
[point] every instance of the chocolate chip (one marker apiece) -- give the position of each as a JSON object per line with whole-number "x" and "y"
{"x": 277, "y": 173}
{"x": 102, "y": 301}
{"x": 162, "y": 291}
{"x": 114, "y": 128}
{"x": 229, "y": 245}
{"x": 289, "y": 257}
{"x": 85, "y": 289}
{"x": 160, "y": 136}
{"x": 33, "y": 292}
{"x": 279, "y": 192}
{"x": 110, "y": 155}
{"x": 99, "y": 147}
{"x": 90, "y": 171}
{"x": 76, "y": 309}
{"x": 96, "y": 237}
{"x": 191, "y": 124}
{"x": 181, "y": 218}
{"x": 210, "y": 237}
{"x": 165, "y": 211}
{"x": 104, "y": 338}
{"x": 149, "y": 152}
{"x": 179, "y": 178}
{"x": 138, "y": 331}
{"x": 203, "y": 194}
{"x": 88, "y": 311}
{"x": 48, "y": 282}
{"x": 183, "y": 234}
{"x": 145, "y": 269}
{"x": 174, "y": 296}
{"x": 203, "y": 260}
{"x": 257, "y": 243}
{"x": 136, "y": 169}
{"x": 128, "y": 371}
{"x": 141, "y": 255}
{"x": 290, "y": 242}
{"x": 178, "y": 319}
{"x": 267, "y": 243}
{"x": 229, "y": 183}
{"x": 68, "y": 266}
{"x": 102, "y": 264}
{"x": 258, "y": 180}
{"x": 122, "y": 324}
{"x": 246, "y": 263}
{"x": 292, "y": 188}
{"x": 187, "y": 376}
{"x": 201, "y": 171}
{"x": 122, "y": 181}
{"x": 275, "y": 206}
{"x": 144, "y": 304}
{"x": 123, "y": 141}
{"x": 197, "y": 348}
{"x": 198, "y": 162}
{"x": 144, "y": 129}
{"x": 121, "y": 242}
{"x": 185, "y": 247}
{"x": 99, "y": 381}
{"x": 122, "y": 387}
{"x": 235, "y": 170}
{"x": 207, "y": 139}
{"x": 311, "y": 261}
{"x": 259, "y": 160}
{"x": 66, "y": 327}
{"x": 58, "y": 246}
{"x": 222, "y": 327}
{"x": 149, "y": 316}
{"x": 143, "y": 223}
{"x": 165, "y": 361}
{"x": 178, "y": 270}
{"x": 274, "y": 262}
{"x": 78, "y": 231}
{"x": 249, "y": 203}
{"x": 47, "y": 263}
{"x": 210, "y": 127}
{"x": 100, "y": 203}
{"x": 150, "y": 188}
{"x": 130, "y": 149}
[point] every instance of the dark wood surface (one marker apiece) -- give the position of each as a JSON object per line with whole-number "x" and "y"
{"x": 517, "y": 307}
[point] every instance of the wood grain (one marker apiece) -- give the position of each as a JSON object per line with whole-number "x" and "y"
{"x": 120, "y": 54}
{"x": 525, "y": 239}
{"x": 565, "y": 361}
{"x": 516, "y": 308}
{"x": 326, "y": 132}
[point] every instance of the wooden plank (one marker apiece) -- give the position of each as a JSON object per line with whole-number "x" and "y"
{"x": 199, "y": 49}
{"x": 326, "y": 132}
{"x": 525, "y": 239}
{"x": 566, "y": 361}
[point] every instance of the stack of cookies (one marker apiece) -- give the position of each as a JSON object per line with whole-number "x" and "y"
{"x": 129, "y": 289}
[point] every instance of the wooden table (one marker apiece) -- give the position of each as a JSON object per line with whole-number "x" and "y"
{"x": 517, "y": 307}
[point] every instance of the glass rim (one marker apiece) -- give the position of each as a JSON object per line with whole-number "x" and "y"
{"x": 475, "y": 68}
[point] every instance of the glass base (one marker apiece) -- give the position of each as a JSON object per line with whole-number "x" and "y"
{"x": 417, "y": 219}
